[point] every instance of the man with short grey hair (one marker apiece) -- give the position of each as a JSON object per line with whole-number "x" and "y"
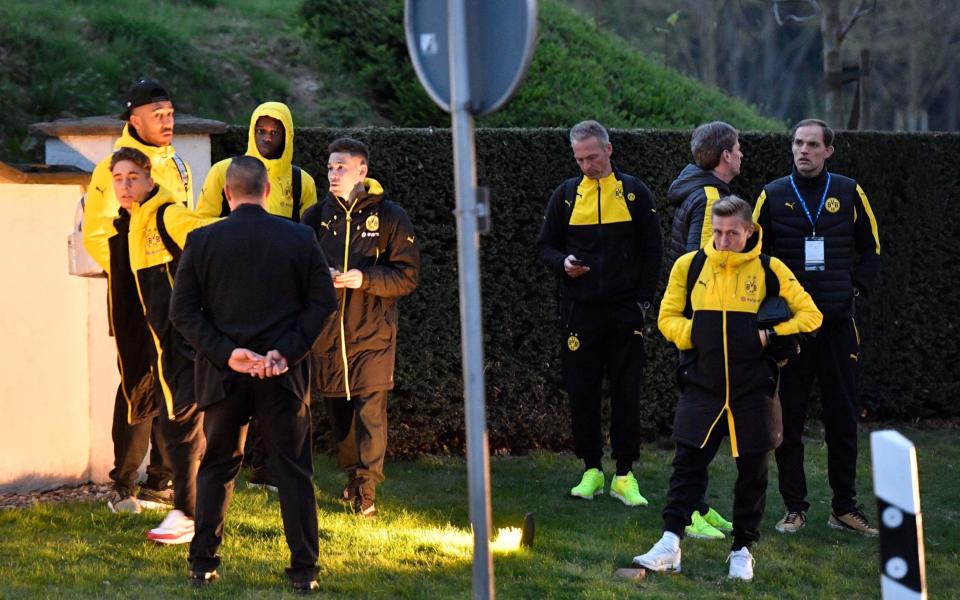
{"x": 716, "y": 161}
{"x": 601, "y": 236}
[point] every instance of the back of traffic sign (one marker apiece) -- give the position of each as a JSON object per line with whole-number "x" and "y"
{"x": 501, "y": 37}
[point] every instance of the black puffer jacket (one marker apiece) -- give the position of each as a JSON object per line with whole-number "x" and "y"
{"x": 357, "y": 349}
{"x": 849, "y": 229}
{"x": 689, "y": 192}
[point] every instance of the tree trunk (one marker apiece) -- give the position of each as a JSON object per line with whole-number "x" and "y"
{"x": 832, "y": 68}
{"x": 707, "y": 28}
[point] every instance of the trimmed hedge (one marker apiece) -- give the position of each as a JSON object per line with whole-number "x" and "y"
{"x": 908, "y": 326}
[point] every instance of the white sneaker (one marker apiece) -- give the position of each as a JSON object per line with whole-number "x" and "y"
{"x": 664, "y": 556}
{"x": 741, "y": 564}
{"x": 176, "y": 528}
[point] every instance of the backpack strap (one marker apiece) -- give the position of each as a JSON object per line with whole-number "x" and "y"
{"x": 297, "y": 190}
{"x": 165, "y": 236}
{"x": 184, "y": 175}
{"x": 771, "y": 280}
{"x": 696, "y": 265}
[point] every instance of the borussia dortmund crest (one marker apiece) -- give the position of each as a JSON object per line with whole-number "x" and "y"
{"x": 618, "y": 192}
{"x": 832, "y": 205}
{"x": 631, "y": 196}
{"x": 751, "y": 286}
{"x": 373, "y": 223}
{"x": 573, "y": 342}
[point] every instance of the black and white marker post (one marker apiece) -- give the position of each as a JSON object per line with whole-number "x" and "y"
{"x": 897, "y": 487}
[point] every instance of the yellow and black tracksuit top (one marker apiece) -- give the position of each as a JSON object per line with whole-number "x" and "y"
{"x": 101, "y": 205}
{"x": 612, "y": 225}
{"x": 212, "y": 202}
{"x": 723, "y": 371}
{"x": 158, "y": 233}
{"x": 846, "y": 224}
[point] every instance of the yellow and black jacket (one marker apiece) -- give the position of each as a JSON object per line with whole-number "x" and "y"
{"x": 849, "y": 229}
{"x": 694, "y": 192}
{"x": 158, "y": 233}
{"x": 356, "y": 350}
{"x": 611, "y": 224}
{"x": 213, "y": 203}
{"x": 724, "y": 372}
{"x": 101, "y": 205}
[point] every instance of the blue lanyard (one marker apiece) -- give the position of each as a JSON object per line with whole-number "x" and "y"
{"x": 803, "y": 203}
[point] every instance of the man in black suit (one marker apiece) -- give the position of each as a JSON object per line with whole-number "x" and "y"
{"x": 251, "y": 295}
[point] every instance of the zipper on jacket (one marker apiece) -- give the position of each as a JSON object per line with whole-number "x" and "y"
{"x": 343, "y": 302}
{"x": 726, "y": 375}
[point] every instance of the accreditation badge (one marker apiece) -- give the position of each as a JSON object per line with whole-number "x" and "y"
{"x": 813, "y": 254}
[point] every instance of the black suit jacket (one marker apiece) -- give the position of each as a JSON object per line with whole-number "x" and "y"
{"x": 252, "y": 281}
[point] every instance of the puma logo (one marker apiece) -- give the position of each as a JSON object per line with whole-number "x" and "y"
{"x": 854, "y": 357}
{"x": 567, "y": 202}
{"x": 410, "y": 239}
{"x": 703, "y": 283}
{"x": 327, "y": 224}
{"x": 789, "y": 205}
{"x": 635, "y": 332}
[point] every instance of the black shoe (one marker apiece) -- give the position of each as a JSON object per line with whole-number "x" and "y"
{"x": 155, "y": 499}
{"x": 202, "y": 578}
{"x": 305, "y": 587}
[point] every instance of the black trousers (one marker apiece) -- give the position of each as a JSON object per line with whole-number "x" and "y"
{"x": 688, "y": 483}
{"x": 184, "y": 445}
{"x": 130, "y": 446}
{"x": 598, "y": 340}
{"x": 830, "y": 358}
{"x": 360, "y": 431}
{"x": 285, "y": 424}
{"x": 255, "y": 456}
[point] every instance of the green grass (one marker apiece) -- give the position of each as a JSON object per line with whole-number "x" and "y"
{"x": 420, "y": 547}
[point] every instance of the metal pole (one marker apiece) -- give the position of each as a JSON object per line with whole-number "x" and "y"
{"x": 471, "y": 325}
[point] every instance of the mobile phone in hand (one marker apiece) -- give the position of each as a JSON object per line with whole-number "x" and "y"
{"x": 577, "y": 262}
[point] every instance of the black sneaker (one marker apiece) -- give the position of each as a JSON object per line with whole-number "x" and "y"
{"x": 153, "y": 499}
{"x": 305, "y": 588}
{"x": 262, "y": 480}
{"x": 202, "y": 578}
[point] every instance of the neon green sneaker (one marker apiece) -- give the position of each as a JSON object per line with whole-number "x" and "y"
{"x": 590, "y": 485}
{"x": 625, "y": 489}
{"x": 719, "y": 523}
{"x": 701, "y": 530}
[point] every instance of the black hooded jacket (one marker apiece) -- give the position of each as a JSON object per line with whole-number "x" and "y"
{"x": 693, "y": 192}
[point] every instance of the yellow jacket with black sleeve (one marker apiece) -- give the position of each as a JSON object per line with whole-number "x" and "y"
{"x": 724, "y": 372}
{"x": 158, "y": 233}
{"x": 101, "y": 206}
{"x": 213, "y": 202}
{"x": 611, "y": 224}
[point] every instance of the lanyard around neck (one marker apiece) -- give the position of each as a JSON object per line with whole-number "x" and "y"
{"x": 803, "y": 203}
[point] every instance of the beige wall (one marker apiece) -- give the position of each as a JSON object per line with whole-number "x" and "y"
{"x": 57, "y": 364}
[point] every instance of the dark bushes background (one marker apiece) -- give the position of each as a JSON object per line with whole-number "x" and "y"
{"x": 909, "y": 325}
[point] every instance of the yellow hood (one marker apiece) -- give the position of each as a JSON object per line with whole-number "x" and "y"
{"x": 279, "y": 170}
